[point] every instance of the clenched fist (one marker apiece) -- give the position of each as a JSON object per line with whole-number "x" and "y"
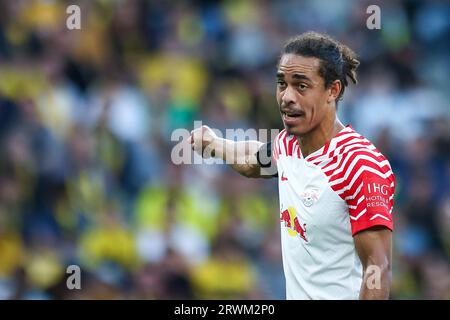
{"x": 202, "y": 139}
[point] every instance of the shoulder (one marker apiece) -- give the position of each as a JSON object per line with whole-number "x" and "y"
{"x": 361, "y": 154}
{"x": 355, "y": 160}
{"x": 367, "y": 184}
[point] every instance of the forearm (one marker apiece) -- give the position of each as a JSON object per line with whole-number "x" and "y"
{"x": 374, "y": 247}
{"x": 240, "y": 155}
{"x": 376, "y": 283}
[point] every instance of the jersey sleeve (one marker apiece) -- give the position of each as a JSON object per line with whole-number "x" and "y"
{"x": 369, "y": 193}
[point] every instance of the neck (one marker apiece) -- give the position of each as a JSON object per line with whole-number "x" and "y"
{"x": 319, "y": 136}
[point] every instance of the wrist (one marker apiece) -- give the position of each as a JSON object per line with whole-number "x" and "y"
{"x": 218, "y": 148}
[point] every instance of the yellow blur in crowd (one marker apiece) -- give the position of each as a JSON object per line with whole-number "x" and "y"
{"x": 100, "y": 224}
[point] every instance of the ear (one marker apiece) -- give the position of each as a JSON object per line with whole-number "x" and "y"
{"x": 334, "y": 90}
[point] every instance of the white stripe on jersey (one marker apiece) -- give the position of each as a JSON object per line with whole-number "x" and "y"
{"x": 348, "y": 155}
{"x": 381, "y": 216}
{"x": 359, "y": 215}
{"x": 361, "y": 170}
{"x": 357, "y": 202}
{"x": 352, "y": 168}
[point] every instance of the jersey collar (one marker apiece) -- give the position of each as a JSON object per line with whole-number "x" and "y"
{"x": 328, "y": 146}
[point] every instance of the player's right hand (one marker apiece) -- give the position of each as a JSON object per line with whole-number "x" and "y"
{"x": 201, "y": 138}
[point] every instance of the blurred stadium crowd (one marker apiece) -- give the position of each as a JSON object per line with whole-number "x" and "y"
{"x": 86, "y": 118}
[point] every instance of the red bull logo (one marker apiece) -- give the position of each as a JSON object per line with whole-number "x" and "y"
{"x": 292, "y": 223}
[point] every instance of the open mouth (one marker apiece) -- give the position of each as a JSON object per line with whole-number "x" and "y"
{"x": 292, "y": 115}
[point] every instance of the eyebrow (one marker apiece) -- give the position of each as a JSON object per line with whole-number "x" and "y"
{"x": 299, "y": 76}
{"x": 296, "y": 76}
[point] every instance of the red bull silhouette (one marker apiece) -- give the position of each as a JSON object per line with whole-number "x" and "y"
{"x": 291, "y": 222}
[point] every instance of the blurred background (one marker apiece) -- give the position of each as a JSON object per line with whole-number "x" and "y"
{"x": 86, "y": 118}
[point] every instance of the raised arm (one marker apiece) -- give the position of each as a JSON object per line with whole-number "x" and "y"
{"x": 240, "y": 155}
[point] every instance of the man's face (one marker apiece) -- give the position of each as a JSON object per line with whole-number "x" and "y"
{"x": 301, "y": 93}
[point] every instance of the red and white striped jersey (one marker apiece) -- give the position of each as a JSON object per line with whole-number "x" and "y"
{"x": 325, "y": 198}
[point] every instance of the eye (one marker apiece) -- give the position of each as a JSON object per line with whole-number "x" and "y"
{"x": 281, "y": 83}
{"x": 302, "y": 86}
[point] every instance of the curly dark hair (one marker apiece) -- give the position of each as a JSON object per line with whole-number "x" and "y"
{"x": 337, "y": 61}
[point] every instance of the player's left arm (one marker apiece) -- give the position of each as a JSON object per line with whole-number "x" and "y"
{"x": 374, "y": 247}
{"x": 369, "y": 194}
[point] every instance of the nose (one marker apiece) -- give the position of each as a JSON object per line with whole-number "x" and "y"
{"x": 288, "y": 96}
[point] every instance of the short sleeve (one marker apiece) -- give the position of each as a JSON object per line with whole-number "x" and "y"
{"x": 370, "y": 195}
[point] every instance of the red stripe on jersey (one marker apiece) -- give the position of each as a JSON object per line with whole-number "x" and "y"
{"x": 278, "y": 141}
{"x": 333, "y": 161}
{"x": 348, "y": 152}
{"x": 314, "y": 158}
{"x": 327, "y": 146}
{"x": 359, "y": 206}
{"x": 345, "y": 148}
{"x": 340, "y": 136}
{"x": 348, "y": 159}
{"x": 360, "y": 164}
{"x": 339, "y": 144}
{"x": 275, "y": 150}
{"x": 347, "y": 140}
{"x": 285, "y": 143}
{"x": 363, "y": 225}
{"x": 291, "y": 146}
{"x": 325, "y": 150}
